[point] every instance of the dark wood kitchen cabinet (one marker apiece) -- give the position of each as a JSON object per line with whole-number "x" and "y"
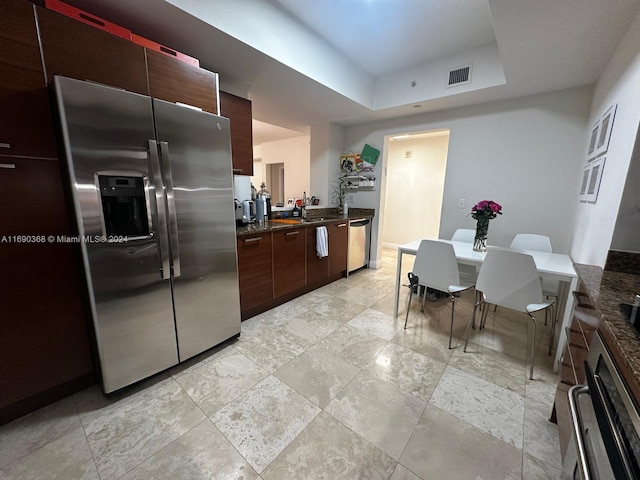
{"x": 255, "y": 270}
{"x": 289, "y": 260}
{"x": 176, "y": 81}
{"x": 45, "y": 351}
{"x": 317, "y": 268}
{"x": 25, "y": 120}
{"x": 338, "y": 247}
{"x": 238, "y": 111}
{"x": 76, "y": 50}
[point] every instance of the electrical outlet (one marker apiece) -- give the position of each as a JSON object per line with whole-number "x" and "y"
{"x": 461, "y": 202}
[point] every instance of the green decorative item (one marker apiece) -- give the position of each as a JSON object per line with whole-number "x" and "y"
{"x": 368, "y": 157}
{"x": 483, "y": 212}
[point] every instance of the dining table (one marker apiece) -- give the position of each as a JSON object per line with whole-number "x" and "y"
{"x": 555, "y": 266}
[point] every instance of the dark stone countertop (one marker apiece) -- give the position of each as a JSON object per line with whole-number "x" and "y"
{"x": 607, "y": 290}
{"x": 319, "y": 217}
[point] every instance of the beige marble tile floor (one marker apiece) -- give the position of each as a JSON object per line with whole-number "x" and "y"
{"x": 328, "y": 386}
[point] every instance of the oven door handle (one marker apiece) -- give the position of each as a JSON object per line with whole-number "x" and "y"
{"x": 576, "y": 422}
{"x": 612, "y": 441}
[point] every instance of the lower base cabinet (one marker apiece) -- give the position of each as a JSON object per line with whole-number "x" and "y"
{"x": 276, "y": 266}
{"x": 289, "y": 260}
{"x": 338, "y": 247}
{"x": 255, "y": 270}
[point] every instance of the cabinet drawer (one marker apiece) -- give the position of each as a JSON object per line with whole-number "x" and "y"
{"x": 255, "y": 270}
{"x": 289, "y": 258}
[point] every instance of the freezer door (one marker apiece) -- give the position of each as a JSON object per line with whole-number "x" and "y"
{"x": 196, "y": 165}
{"x": 107, "y": 134}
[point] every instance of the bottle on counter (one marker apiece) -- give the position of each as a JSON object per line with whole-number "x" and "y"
{"x": 264, "y": 193}
{"x": 303, "y": 207}
{"x": 345, "y": 210}
{"x": 296, "y": 211}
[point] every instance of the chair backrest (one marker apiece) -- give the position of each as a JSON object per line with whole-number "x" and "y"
{"x": 436, "y": 265}
{"x": 465, "y": 235}
{"x": 509, "y": 279}
{"x": 532, "y": 241}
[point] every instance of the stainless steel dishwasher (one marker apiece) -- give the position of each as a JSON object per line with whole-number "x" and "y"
{"x": 359, "y": 234}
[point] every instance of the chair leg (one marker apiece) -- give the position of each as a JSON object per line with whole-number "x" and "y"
{"x": 408, "y": 306}
{"x": 453, "y": 306}
{"x": 485, "y": 314}
{"x": 533, "y": 346}
{"x": 553, "y": 329}
{"x": 468, "y": 329}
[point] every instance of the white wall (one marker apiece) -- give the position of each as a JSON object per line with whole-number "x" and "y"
{"x": 295, "y": 154}
{"x": 523, "y": 153}
{"x": 414, "y": 187}
{"x": 619, "y": 83}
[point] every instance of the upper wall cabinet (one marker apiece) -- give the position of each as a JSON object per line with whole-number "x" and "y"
{"x": 76, "y": 50}
{"x": 238, "y": 111}
{"x": 176, "y": 81}
{"x": 25, "y": 121}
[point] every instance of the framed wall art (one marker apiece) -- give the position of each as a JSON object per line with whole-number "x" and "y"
{"x": 606, "y": 125}
{"x": 585, "y": 183}
{"x": 591, "y": 153}
{"x": 595, "y": 178}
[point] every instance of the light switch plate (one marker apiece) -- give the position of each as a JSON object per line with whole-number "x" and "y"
{"x": 461, "y": 202}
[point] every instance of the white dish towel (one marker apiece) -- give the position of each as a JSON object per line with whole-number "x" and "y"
{"x": 322, "y": 242}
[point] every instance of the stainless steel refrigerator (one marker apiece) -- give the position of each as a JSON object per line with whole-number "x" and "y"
{"x": 152, "y": 186}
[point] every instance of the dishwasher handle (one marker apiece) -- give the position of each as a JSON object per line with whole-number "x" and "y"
{"x": 359, "y": 223}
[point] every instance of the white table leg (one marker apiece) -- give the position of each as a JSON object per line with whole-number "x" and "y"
{"x": 397, "y": 293}
{"x": 566, "y": 321}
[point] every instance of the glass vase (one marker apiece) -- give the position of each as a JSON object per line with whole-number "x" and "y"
{"x": 480, "y": 239}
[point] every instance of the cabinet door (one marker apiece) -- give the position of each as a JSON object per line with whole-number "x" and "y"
{"x": 255, "y": 271}
{"x": 289, "y": 258}
{"x": 76, "y": 50}
{"x": 25, "y": 121}
{"x": 317, "y": 268}
{"x": 45, "y": 339}
{"x": 238, "y": 111}
{"x": 338, "y": 246}
{"x": 176, "y": 81}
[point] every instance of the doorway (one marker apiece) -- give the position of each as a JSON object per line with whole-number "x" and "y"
{"x": 275, "y": 181}
{"x": 415, "y": 172}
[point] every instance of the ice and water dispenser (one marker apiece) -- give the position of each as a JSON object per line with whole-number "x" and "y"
{"x": 124, "y": 205}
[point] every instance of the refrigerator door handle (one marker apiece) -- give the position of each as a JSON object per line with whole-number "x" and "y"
{"x": 162, "y": 217}
{"x": 171, "y": 205}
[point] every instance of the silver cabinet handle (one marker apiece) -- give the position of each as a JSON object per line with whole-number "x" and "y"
{"x": 254, "y": 239}
{"x": 162, "y": 216}
{"x": 7, "y": 165}
{"x": 5, "y": 145}
{"x": 342, "y": 225}
{"x": 292, "y": 233}
{"x": 171, "y": 204}
{"x": 239, "y": 170}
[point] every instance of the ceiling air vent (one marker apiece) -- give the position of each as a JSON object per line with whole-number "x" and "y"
{"x": 459, "y": 76}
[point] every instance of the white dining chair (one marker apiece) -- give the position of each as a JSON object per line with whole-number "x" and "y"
{"x": 539, "y": 243}
{"x": 468, "y": 273}
{"x": 436, "y": 267}
{"x": 465, "y": 235}
{"x": 510, "y": 279}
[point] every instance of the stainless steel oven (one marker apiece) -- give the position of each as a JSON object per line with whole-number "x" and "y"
{"x": 605, "y": 440}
